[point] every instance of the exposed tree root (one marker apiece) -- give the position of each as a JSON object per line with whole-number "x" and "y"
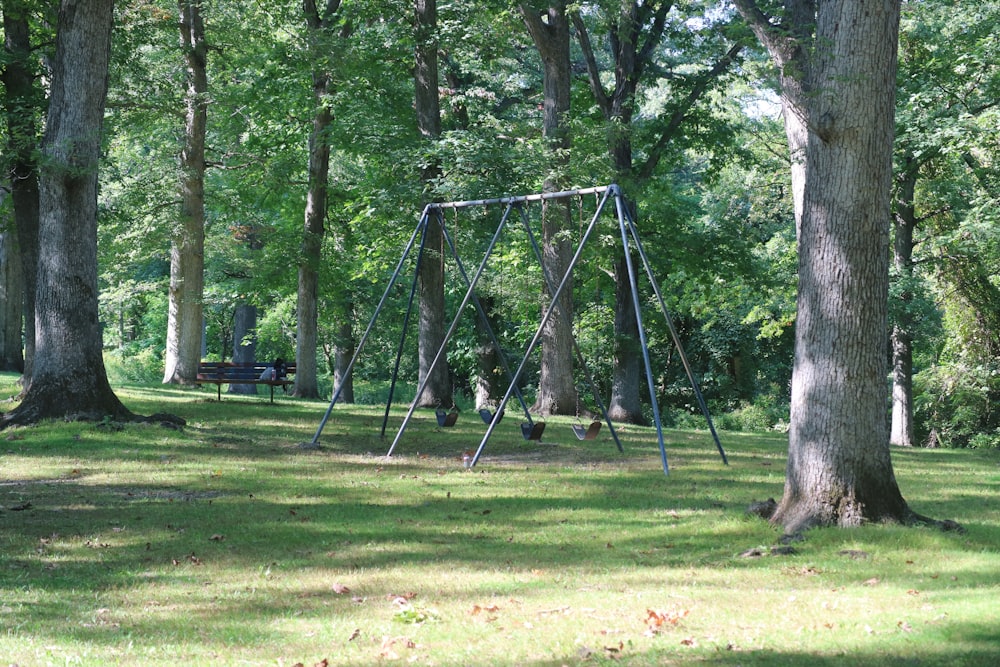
{"x": 766, "y": 510}
{"x": 32, "y": 417}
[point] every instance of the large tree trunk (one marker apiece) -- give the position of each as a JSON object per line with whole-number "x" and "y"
{"x": 557, "y": 393}
{"x": 22, "y": 103}
{"x": 902, "y": 431}
{"x": 187, "y": 253}
{"x": 69, "y": 377}
{"x": 839, "y": 83}
{"x": 244, "y": 344}
{"x": 549, "y": 30}
{"x": 626, "y": 380}
{"x": 432, "y": 325}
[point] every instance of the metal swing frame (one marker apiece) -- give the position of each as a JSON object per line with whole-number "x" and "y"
{"x": 630, "y": 241}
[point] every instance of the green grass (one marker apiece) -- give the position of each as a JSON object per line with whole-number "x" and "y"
{"x": 225, "y": 543}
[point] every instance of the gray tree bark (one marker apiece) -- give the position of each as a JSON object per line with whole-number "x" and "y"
{"x": 549, "y": 30}
{"x": 244, "y": 343}
{"x": 343, "y": 351}
{"x": 634, "y": 38}
{"x": 490, "y": 379}
{"x": 307, "y": 310}
{"x": 431, "y": 321}
{"x": 187, "y": 252}
{"x": 902, "y": 431}
{"x": 69, "y": 378}
{"x": 11, "y": 303}
{"x": 837, "y": 62}
{"x": 23, "y": 104}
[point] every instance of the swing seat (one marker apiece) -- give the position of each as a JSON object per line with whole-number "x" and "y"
{"x": 446, "y": 419}
{"x": 487, "y": 416}
{"x": 532, "y": 431}
{"x": 588, "y": 433}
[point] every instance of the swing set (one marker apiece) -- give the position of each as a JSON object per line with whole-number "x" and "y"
{"x": 530, "y": 429}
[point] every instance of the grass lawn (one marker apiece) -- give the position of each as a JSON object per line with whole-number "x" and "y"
{"x": 224, "y": 543}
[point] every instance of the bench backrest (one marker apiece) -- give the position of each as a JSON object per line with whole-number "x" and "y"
{"x": 228, "y": 370}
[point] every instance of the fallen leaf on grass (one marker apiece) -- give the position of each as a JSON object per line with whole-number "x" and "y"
{"x": 871, "y": 582}
{"x": 476, "y": 609}
{"x": 614, "y": 651}
{"x": 402, "y": 598}
{"x": 340, "y": 589}
{"x": 194, "y": 560}
{"x": 656, "y": 620}
{"x": 558, "y": 610}
{"x": 217, "y": 537}
{"x": 688, "y": 641}
{"x": 388, "y": 651}
{"x": 354, "y": 635}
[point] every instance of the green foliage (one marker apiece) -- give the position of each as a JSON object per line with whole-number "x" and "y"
{"x": 142, "y": 366}
{"x": 715, "y": 215}
{"x": 956, "y": 404}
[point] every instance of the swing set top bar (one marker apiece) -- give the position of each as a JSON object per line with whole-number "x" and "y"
{"x": 523, "y": 198}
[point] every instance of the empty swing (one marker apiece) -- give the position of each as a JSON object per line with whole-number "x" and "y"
{"x": 532, "y": 430}
{"x": 589, "y": 432}
{"x": 446, "y": 418}
{"x": 487, "y": 416}
{"x": 585, "y": 432}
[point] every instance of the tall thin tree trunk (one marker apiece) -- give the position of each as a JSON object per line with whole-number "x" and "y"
{"x": 431, "y": 322}
{"x": 549, "y": 30}
{"x": 307, "y": 308}
{"x": 902, "y": 431}
{"x": 307, "y": 315}
{"x": 69, "y": 378}
{"x": 23, "y": 106}
{"x": 187, "y": 253}
{"x": 626, "y": 379}
{"x": 343, "y": 352}
{"x": 634, "y": 36}
{"x": 489, "y": 385}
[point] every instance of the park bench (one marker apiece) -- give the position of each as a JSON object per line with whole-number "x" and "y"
{"x": 227, "y": 372}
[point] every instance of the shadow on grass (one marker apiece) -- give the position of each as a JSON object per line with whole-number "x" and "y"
{"x": 232, "y": 491}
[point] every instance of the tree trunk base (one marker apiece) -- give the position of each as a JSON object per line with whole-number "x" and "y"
{"x": 769, "y": 511}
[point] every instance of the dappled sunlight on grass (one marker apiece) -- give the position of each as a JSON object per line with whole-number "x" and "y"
{"x": 225, "y": 542}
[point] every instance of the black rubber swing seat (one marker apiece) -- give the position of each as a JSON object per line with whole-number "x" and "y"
{"x": 446, "y": 419}
{"x": 588, "y": 433}
{"x": 487, "y": 416}
{"x": 532, "y": 431}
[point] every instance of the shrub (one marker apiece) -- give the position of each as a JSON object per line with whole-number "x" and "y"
{"x": 955, "y": 402}
{"x": 142, "y": 366}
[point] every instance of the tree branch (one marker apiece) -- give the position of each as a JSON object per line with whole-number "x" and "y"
{"x": 593, "y": 72}
{"x": 680, "y": 113}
